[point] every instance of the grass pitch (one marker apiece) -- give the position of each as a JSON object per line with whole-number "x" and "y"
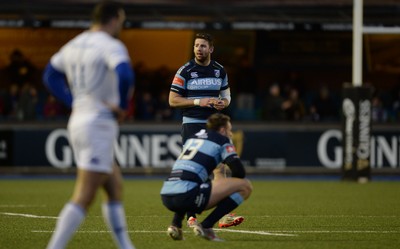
{"x": 279, "y": 214}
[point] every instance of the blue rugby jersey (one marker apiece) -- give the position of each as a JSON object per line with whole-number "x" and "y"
{"x": 195, "y": 81}
{"x": 200, "y": 156}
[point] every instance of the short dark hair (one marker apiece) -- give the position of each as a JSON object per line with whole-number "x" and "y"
{"x": 206, "y": 37}
{"x": 217, "y": 121}
{"x": 105, "y": 11}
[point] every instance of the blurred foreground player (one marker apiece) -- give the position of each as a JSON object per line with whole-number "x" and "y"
{"x": 97, "y": 67}
{"x": 188, "y": 188}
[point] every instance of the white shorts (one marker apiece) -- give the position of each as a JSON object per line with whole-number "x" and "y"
{"x": 92, "y": 141}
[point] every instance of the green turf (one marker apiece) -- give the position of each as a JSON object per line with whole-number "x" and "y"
{"x": 283, "y": 214}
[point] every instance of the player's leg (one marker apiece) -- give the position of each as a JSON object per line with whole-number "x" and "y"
{"x": 230, "y": 219}
{"x": 113, "y": 210}
{"x": 188, "y": 130}
{"x": 177, "y": 204}
{"x": 226, "y": 194}
{"x": 92, "y": 143}
{"x": 175, "y": 229}
{"x": 73, "y": 213}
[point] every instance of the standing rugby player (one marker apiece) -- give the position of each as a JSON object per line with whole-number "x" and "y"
{"x": 97, "y": 67}
{"x": 200, "y": 88}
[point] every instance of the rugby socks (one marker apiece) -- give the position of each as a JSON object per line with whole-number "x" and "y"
{"x": 177, "y": 220}
{"x": 225, "y": 206}
{"x": 190, "y": 214}
{"x": 114, "y": 215}
{"x": 71, "y": 216}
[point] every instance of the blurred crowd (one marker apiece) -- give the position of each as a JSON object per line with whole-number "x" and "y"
{"x": 23, "y": 97}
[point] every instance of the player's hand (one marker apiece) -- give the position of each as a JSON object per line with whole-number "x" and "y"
{"x": 206, "y": 102}
{"x": 218, "y": 104}
{"x": 118, "y": 113}
{"x": 221, "y": 171}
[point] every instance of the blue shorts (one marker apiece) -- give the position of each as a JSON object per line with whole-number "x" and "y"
{"x": 195, "y": 200}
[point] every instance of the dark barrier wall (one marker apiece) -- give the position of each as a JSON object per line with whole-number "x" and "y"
{"x": 6, "y": 147}
{"x": 158, "y": 146}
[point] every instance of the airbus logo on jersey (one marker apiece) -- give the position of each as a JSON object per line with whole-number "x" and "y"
{"x": 205, "y": 83}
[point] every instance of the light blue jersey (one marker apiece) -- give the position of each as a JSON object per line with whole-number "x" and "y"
{"x": 200, "y": 156}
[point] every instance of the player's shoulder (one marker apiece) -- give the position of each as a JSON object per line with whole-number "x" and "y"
{"x": 186, "y": 67}
{"x": 75, "y": 40}
{"x": 110, "y": 42}
{"x": 217, "y": 138}
{"x": 217, "y": 65}
{"x": 97, "y": 39}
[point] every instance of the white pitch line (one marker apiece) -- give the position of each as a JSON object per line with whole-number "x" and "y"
{"x": 256, "y": 232}
{"x": 335, "y": 231}
{"x": 271, "y": 233}
{"x": 145, "y": 231}
{"x": 324, "y": 216}
{"x": 28, "y": 215}
{"x": 20, "y": 206}
{"x": 101, "y": 231}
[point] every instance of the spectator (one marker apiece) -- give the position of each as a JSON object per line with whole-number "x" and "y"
{"x": 27, "y": 102}
{"x": 294, "y": 80}
{"x": 295, "y": 107}
{"x": 379, "y": 114}
{"x": 20, "y": 69}
{"x": 323, "y": 107}
{"x": 52, "y": 109}
{"x": 11, "y": 99}
{"x": 396, "y": 106}
{"x": 275, "y": 105}
{"x": 163, "y": 111}
{"x": 146, "y": 106}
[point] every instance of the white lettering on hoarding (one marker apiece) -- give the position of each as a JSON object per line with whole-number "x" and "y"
{"x": 349, "y": 112}
{"x": 380, "y": 150}
{"x": 66, "y": 160}
{"x": 157, "y": 150}
{"x": 161, "y": 150}
{"x": 363, "y": 150}
{"x": 322, "y": 149}
{"x": 390, "y": 152}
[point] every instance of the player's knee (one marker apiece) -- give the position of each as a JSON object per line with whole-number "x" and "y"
{"x": 246, "y": 188}
{"x": 83, "y": 202}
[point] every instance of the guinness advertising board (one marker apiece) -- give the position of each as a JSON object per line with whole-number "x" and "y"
{"x": 356, "y": 129}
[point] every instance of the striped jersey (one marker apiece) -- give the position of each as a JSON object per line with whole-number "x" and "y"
{"x": 195, "y": 81}
{"x": 200, "y": 156}
{"x": 89, "y": 61}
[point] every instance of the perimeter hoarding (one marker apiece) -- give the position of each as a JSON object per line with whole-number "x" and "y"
{"x": 356, "y": 127}
{"x": 159, "y": 147}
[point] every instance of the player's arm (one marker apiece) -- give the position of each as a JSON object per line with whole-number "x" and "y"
{"x": 56, "y": 83}
{"x": 236, "y": 166}
{"x": 126, "y": 82}
{"x": 178, "y": 101}
{"x": 225, "y": 95}
{"x": 223, "y": 101}
{"x": 221, "y": 171}
{"x": 125, "y": 76}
